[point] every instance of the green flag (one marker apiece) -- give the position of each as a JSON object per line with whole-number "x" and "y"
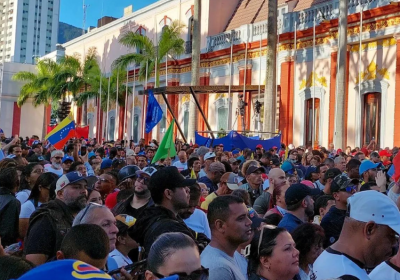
{"x": 167, "y": 146}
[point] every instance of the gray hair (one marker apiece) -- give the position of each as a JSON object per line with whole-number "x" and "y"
{"x": 85, "y": 216}
{"x": 338, "y": 159}
{"x": 202, "y": 151}
{"x": 57, "y": 152}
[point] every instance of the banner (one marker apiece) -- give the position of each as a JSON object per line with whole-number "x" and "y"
{"x": 154, "y": 112}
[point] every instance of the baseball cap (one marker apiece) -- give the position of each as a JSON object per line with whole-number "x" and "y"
{"x": 310, "y": 170}
{"x": 297, "y": 192}
{"x": 209, "y": 155}
{"x": 367, "y": 165}
{"x": 253, "y": 169}
{"x": 201, "y": 151}
{"x": 332, "y": 173}
{"x": 234, "y": 160}
{"x": 169, "y": 178}
{"x": 36, "y": 143}
{"x": 235, "y": 152}
{"x": 275, "y": 161}
{"x": 259, "y": 146}
{"x": 256, "y": 220}
{"x": 106, "y": 163}
{"x": 150, "y": 170}
{"x": 73, "y": 177}
{"x": 341, "y": 182}
{"x": 287, "y": 166}
{"x": 65, "y": 158}
{"x": 231, "y": 179}
{"x": 274, "y": 147}
{"x": 125, "y": 222}
{"x": 374, "y": 206}
{"x": 129, "y": 152}
{"x": 385, "y": 153}
{"x": 65, "y": 270}
{"x": 141, "y": 154}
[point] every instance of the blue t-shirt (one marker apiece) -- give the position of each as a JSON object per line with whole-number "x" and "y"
{"x": 290, "y": 222}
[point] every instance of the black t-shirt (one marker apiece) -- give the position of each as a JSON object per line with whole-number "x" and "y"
{"x": 135, "y": 212}
{"x": 41, "y": 238}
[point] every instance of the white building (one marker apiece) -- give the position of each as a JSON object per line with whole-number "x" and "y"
{"x": 28, "y": 29}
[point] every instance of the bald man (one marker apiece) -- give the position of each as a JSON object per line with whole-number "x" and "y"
{"x": 181, "y": 164}
{"x": 276, "y": 179}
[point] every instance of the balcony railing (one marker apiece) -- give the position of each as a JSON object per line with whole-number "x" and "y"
{"x": 305, "y": 19}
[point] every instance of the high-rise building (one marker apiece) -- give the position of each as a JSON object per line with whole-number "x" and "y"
{"x": 28, "y": 29}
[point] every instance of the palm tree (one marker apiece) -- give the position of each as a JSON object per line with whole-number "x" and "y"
{"x": 150, "y": 56}
{"x": 339, "y": 140}
{"x": 195, "y": 67}
{"x": 76, "y": 77}
{"x": 40, "y": 86}
{"x": 270, "y": 84}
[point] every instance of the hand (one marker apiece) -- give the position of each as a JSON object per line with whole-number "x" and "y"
{"x": 124, "y": 275}
{"x": 2, "y": 252}
{"x": 381, "y": 181}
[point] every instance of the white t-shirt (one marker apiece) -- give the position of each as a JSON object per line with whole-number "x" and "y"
{"x": 385, "y": 270}
{"x": 49, "y": 168}
{"x": 23, "y": 195}
{"x": 119, "y": 258}
{"x": 181, "y": 166}
{"x": 27, "y": 209}
{"x": 333, "y": 264}
{"x": 198, "y": 222}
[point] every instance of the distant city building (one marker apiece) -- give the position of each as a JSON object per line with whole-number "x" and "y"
{"x": 28, "y": 29}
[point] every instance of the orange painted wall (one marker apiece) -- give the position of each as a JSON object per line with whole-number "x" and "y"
{"x": 332, "y": 97}
{"x": 286, "y": 102}
{"x": 247, "y": 98}
{"x": 203, "y": 100}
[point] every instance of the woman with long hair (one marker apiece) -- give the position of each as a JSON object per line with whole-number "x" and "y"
{"x": 309, "y": 239}
{"x": 273, "y": 255}
{"x": 29, "y": 175}
{"x": 41, "y": 193}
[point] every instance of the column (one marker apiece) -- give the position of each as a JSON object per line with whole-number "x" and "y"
{"x": 286, "y": 109}
{"x": 16, "y": 124}
{"x": 396, "y": 141}
{"x": 247, "y": 96}
{"x": 332, "y": 96}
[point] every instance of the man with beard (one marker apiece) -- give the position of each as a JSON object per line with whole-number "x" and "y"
{"x": 195, "y": 218}
{"x": 37, "y": 154}
{"x": 15, "y": 152}
{"x": 170, "y": 193}
{"x": 49, "y": 224}
{"x": 141, "y": 198}
{"x": 341, "y": 189}
{"x": 230, "y": 226}
{"x": 234, "y": 163}
{"x": 56, "y": 163}
{"x": 368, "y": 170}
{"x": 300, "y": 206}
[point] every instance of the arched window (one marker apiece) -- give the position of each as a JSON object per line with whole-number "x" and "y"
{"x": 141, "y": 31}
{"x": 188, "y": 47}
{"x": 372, "y": 117}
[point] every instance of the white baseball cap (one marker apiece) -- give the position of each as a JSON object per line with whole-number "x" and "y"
{"x": 373, "y": 206}
{"x": 209, "y": 155}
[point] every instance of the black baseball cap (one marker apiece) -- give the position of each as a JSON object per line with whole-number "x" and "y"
{"x": 332, "y": 173}
{"x": 297, "y": 192}
{"x": 170, "y": 178}
{"x": 341, "y": 182}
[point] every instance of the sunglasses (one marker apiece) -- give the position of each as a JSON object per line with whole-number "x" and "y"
{"x": 144, "y": 179}
{"x": 58, "y": 158}
{"x": 200, "y": 274}
{"x": 86, "y": 210}
{"x": 350, "y": 188}
{"x": 261, "y": 236}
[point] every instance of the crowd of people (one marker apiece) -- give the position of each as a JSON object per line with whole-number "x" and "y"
{"x": 106, "y": 211}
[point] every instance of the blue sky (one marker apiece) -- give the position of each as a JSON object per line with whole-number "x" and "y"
{"x": 71, "y": 11}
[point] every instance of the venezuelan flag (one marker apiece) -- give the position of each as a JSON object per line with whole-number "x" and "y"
{"x": 64, "y": 131}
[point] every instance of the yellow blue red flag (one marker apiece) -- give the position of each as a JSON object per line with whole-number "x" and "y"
{"x": 64, "y": 131}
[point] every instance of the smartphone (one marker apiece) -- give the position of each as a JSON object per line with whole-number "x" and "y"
{"x": 83, "y": 150}
{"x": 136, "y": 269}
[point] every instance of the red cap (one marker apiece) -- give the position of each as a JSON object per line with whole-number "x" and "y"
{"x": 259, "y": 146}
{"x": 221, "y": 145}
{"x": 339, "y": 151}
{"x": 385, "y": 153}
{"x": 274, "y": 147}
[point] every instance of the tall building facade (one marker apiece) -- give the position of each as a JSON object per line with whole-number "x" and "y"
{"x": 28, "y": 29}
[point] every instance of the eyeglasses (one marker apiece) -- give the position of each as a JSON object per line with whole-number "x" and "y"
{"x": 261, "y": 236}
{"x": 350, "y": 188}
{"x": 144, "y": 179}
{"x": 58, "y": 158}
{"x": 87, "y": 208}
{"x": 200, "y": 274}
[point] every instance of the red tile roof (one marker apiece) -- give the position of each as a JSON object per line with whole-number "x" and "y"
{"x": 251, "y": 11}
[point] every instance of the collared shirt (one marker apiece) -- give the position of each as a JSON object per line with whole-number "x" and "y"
{"x": 332, "y": 223}
{"x": 319, "y": 185}
{"x": 290, "y": 222}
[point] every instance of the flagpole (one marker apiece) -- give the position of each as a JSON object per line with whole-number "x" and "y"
{"x": 99, "y": 113}
{"x": 117, "y": 107}
{"x": 313, "y": 98}
{"x": 258, "y": 119}
{"x": 166, "y": 70}
{"x": 108, "y": 105}
{"x": 360, "y": 63}
{"x": 126, "y": 105}
{"x": 133, "y": 101}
